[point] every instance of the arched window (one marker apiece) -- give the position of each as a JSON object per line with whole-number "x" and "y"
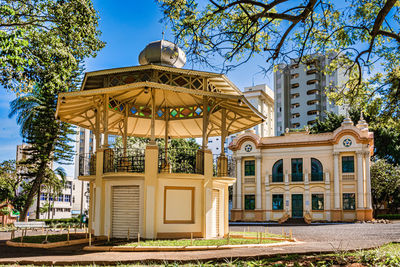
{"x": 277, "y": 171}
{"x": 316, "y": 170}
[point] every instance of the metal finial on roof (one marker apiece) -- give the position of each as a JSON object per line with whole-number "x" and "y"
{"x": 163, "y": 53}
{"x": 362, "y": 116}
{"x": 163, "y": 34}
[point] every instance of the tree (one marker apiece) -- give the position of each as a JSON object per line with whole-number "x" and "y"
{"x": 49, "y": 138}
{"x": 355, "y": 36}
{"x": 386, "y": 133}
{"x": 385, "y": 185}
{"x": 33, "y": 32}
{"x": 10, "y": 180}
{"x": 43, "y": 45}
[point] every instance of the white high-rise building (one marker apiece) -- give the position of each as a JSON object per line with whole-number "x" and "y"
{"x": 262, "y": 98}
{"x": 300, "y": 95}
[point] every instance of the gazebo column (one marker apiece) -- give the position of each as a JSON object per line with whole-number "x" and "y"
{"x": 222, "y": 163}
{"x": 166, "y": 166}
{"x": 105, "y": 120}
{"x": 125, "y": 133}
{"x": 200, "y": 153}
{"x": 100, "y": 186}
{"x": 151, "y": 179}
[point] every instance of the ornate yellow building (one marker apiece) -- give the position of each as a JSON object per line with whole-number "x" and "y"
{"x": 318, "y": 177}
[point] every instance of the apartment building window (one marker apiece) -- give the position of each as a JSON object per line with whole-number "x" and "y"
{"x": 67, "y": 198}
{"x": 249, "y": 168}
{"x": 68, "y": 185}
{"x": 295, "y": 85}
{"x": 43, "y": 196}
{"x": 294, "y": 66}
{"x": 311, "y": 122}
{"x": 297, "y": 170}
{"x": 295, "y": 75}
{"x": 295, "y": 105}
{"x": 295, "y": 125}
{"x": 349, "y": 201}
{"x": 249, "y": 202}
{"x": 312, "y": 92}
{"x": 314, "y": 81}
{"x": 295, "y": 95}
{"x": 60, "y": 198}
{"x": 348, "y": 164}
{"x": 277, "y": 202}
{"x": 317, "y": 201}
{"x": 295, "y": 115}
{"x": 73, "y": 199}
{"x": 309, "y": 72}
{"x": 312, "y": 102}
{"x": 313, "y": 112}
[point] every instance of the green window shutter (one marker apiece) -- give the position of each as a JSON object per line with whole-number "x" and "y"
{"x": 348, "y": 164}
{"x": 249, "y": 168}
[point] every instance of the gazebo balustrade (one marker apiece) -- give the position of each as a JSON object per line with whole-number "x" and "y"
{"x": 179, "y": 160}
{"x": 224, "y": 165}
{"x": 121, "y": 160}
{"x": 87, "y": 164}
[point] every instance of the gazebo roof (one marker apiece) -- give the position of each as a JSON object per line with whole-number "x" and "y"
{"x": 178, "y": 96}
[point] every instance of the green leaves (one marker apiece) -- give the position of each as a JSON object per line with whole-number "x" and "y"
{"x": 40, "y": 34}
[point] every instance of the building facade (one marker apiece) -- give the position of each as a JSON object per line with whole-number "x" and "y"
{"x": 300, "y": 95}
{"x": 60, "y": 205}
{"x": 318, "y": 177}
{"x": 262, "y": 98}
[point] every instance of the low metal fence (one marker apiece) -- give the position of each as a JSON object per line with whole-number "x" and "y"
{"x": 120, "y": 160}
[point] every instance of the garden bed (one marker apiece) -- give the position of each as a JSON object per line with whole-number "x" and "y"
{"x": 39, "y": 241}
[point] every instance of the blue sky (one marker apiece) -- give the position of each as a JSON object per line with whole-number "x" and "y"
{"x": 127, "y": 27}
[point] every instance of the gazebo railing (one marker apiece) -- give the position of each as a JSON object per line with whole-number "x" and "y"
{"x": 118, "y": 160}
{"x": 87, "y": 164}
{"x": 226, "y": 167}
{"x": 180, "y": 160}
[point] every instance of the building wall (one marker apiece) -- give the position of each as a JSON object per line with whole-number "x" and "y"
{"x": 61, "y": 205}
{"x": 329, "y": 149}
{"x": 262, "y": 98}
{"x": 300, "y": 93}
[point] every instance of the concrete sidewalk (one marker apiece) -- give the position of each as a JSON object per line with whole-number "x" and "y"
{"x": 314, "y": 239}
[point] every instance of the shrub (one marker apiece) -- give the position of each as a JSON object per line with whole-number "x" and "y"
{"x": 388, "y": 216}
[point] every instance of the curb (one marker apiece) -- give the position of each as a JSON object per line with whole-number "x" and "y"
{"x": 53, "y": 245}
{"x": 179, "y": 248}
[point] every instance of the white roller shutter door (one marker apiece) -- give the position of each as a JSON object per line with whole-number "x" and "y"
{"x": 125, "y": 211}
{"x": 215, "y": 213}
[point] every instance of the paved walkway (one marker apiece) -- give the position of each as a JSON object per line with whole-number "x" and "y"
{"x": 321, "y": 238}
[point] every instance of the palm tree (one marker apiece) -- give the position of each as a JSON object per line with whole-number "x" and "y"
{"x": 47, "y": 137}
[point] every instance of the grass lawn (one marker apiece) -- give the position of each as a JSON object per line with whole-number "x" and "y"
{"x": 198, "y": 242}
{"x": 254, "y": 234}
{"x": 50, "y": 238}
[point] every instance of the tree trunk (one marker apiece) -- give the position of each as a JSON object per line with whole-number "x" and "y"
{"x": 34, "y": 189}
{"x": 38, "y": 203}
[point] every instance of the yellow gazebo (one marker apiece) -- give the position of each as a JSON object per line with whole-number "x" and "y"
{"x": 141, "y": 191}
